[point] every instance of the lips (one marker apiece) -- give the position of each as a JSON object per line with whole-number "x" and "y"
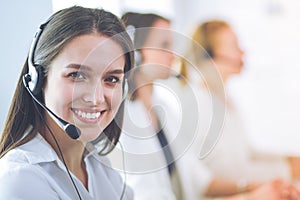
{"x": 88, "y": 116}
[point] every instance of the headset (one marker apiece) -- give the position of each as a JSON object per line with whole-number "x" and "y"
{"x": 34, "y": 81}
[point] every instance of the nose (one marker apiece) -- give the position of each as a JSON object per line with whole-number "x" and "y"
{"x": 241, "y": 51}
{"x": 99, "y": 96}
{"x": 95, "y": 94}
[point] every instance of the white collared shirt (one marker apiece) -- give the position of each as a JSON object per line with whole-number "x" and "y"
{"x": 33, "y": 171}
{"x": 147, "y": 172}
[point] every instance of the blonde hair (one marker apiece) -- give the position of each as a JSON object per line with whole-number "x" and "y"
{"x": 202, "y": 46}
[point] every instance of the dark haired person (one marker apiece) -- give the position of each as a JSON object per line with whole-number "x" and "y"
{"x": 80, "y": 56}
{"x": 151, "y": 174}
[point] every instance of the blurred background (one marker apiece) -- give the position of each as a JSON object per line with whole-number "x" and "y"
{"x": 267, "y": 91}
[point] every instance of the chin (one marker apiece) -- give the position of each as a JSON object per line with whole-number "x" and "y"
{"x": 88, "y": 135}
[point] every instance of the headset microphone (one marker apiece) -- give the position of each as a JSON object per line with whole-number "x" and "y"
{"x": 70, "y": 129}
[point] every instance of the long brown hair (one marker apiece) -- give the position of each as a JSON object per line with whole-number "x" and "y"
{"x": 64, "y": 26}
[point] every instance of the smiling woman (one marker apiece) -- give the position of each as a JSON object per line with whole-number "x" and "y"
{"x": 74, "y": 75}
{"x": 89, "y": 87}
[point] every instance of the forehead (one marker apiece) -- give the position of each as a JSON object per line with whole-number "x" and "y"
{"x": 92, "y": 50}
{"x": 159, "y": 32}
{"x": 161, "y": 23}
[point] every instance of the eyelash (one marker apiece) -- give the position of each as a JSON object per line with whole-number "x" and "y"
{"x": 112, "y": 80}
{"x": 76, "y": 75}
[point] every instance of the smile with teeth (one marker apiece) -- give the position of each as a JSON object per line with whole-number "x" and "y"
{"x": 87, "y": 115}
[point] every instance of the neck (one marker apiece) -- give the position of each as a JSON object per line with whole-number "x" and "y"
{"x": 223, "y": 66}
{"x": 144, "y": 90}
{"x": 214, "y": 79}
{"x": 68, "y": 150}
{"x": 144, "y": 94}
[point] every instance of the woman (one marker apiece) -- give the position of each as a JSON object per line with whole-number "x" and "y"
{"x": 68, "y": 97}
{"x": 222, "y": 59}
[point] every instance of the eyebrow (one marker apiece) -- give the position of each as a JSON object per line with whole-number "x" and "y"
{"x": 79, "y": 66}
{"x": 86, "y": 68}
{"x": 117, "y": 71}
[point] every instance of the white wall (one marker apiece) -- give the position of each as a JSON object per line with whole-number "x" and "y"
{"x": 268, "y": 90}
{"x": 19, "y": 21}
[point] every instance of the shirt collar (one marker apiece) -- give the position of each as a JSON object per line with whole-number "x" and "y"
{"x": 38, "y": 150}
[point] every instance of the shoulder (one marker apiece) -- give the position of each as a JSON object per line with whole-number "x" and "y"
{"x": 18, "y": 173}
{"x": 13, "y": 161}
{"x": 19, "y": 179}
{"x": 22, "y": 177}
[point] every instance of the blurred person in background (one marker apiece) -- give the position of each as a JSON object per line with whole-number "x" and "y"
{"x": 150, "y": 125}
{"x": 232, "y": 165}
{"x": 153, "y": 174}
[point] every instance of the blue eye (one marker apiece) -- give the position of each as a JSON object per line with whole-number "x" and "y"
{"x": 76, "y": 75}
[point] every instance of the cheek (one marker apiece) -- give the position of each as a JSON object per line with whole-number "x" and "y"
{"x": 237, "y": 58}
{"x": 115, "y": 99}
{"x": 163, "y": 58}
{"x": 66, "y": 100}
{"x": 169, "y": 57}
{"x": 149, "y": 55}
{"x": 58, "y": 98}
